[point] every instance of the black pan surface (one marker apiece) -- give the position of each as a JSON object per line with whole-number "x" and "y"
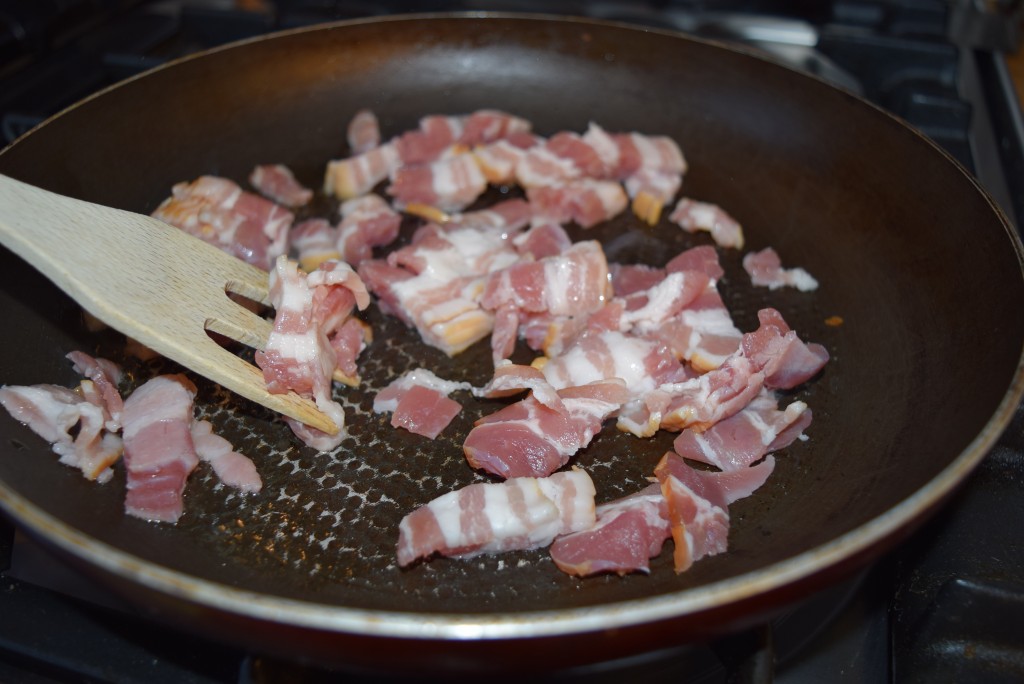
{"x": 924, "y": 271}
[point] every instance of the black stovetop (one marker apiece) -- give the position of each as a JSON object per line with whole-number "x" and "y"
{"x": 947, "y": 606}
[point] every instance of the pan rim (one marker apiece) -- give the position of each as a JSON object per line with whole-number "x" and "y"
{"x": 531, "y": 624}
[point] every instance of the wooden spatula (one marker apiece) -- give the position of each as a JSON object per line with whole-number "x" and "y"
{"x": 152, "y": 282}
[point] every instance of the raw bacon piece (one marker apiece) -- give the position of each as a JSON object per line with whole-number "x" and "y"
{"x": 627, "y": 534}
{"x": 424, "y": 411}
{"x": 363, "y": 132}
{"x": 498, "y": 161}
{"x": 741, "y": 440}
{"x": 542, "y": 240}
{"x": 277, "y": 182}
{"x": 435, "y": 135}
{"x": 449, "y": 184}
{"x": 785, "y": 360}
{"x": 159, "y": 453}
{"x": 703, "y": 333}
{"x": 485, "y": 518}
{"x": 419, "y": 402}
{"x": 506, "y": 217}
{"x": 639, "y": 152}
{"x": 105, "y": 375}
{"x": 366, "y": 222}
{"x": 359, "y": 174}
{"x": 490, "y": 125}
{"x": 435, "y": 283}
{"x": 586, "y": 201}
{"x": 315, "y": 241}
{"x": 712, "y": 397}
{"x": 530, "y": 439}
{"x": 573, "y": 283}
{"x": 692, "y": 216}
{"x": 53, "y": 412}
{"x": 311, "y": 312}
{"x": 643, "y": 364}
{"x": 765, "y": 269}
{"x": 698, "y": 504}
{"x": 240, "y": 223}
{"x": 234, "y": 469}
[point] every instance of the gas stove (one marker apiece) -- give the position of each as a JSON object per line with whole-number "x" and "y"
{"x": 940, "y": 608}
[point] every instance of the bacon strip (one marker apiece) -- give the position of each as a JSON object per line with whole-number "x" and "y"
{"x": 240, "y": 223}
{"x": 159, "y": 453}
{"x": 233, "y": 468}
{"x": 277, "y": 182}
{"x": 692, "y": 216}
{"x": 363, "y": 132}
{"x": 419, "y": 402}
{"x": 765, "y": 269}
{"x": 628, "y": 532}
{"x": 743, "y": 439}
{"x": 486, "y": 518}
{"x": 530, "y": 439}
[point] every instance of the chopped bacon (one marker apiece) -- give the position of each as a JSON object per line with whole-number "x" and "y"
{"x": 366, "y": 222}
{"x": 240, "y": 223}
{"x": 159, "y": 453}
{"x": 573, "y": 283}
{"x": 703, "y": 333}
{"x": 315, "y": 241}
{"x": 299, "y": 354}
{"x": 627, "y": 534}
{"x": 698, "y": 504}
{"x": 499, "y": 160}
{"x": 106, "y": 375}
{"x": 485, "y": 518}
{"x": 741, "y": 440}
{"x": 489, "y": 125}
{"x": 638, "y": 152}
{"x": 692, "y": 216}
{"x": 449, "y": 184}
{"x": 542, "y": 240}
{"x": 426, "y": 144}
{"x": 435, "y": 283}
{"x": 277, "y": 182}
{"x": 363, "y": 132}
{"x": 234, "y": 469}
{"x": 53, "y": 412}
{"x": 359, "y": 174}
{"x": 508, "y": 217}
{"x": 419, "y": 402}
{"x": 587, "y": 202}
{"x": 530, "y": 439}
{"x": 765, "y": 269}
{"x": 786, "y": 361}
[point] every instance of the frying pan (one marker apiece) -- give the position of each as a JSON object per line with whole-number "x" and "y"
{"x": 913, "y": 257}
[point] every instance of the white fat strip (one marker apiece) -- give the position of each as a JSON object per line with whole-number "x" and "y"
{"x": 302, "y": 347}
{"x": 603, "y": 144}
{"x": 559, "y": 274}
{"x": 578, "y": 512}
{"x": 529, "y": 178}
{"x": 708, "y": 322}
{"x": 453, "y": 176}
{"x": 629, "y": 354}
{"x": 660, "y": 298}
{"x": 425, "y": 378}
{"x": 801, "y": 279}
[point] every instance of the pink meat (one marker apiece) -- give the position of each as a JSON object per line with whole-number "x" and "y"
{"x": 278, "y": 183}
{"x": 488, "y": 125}
{"x": 240, "y": 223}
{"x": 542, "y": 240}
{"x": 74, "y": 425}
{"x": 530, "y": 439}
{"x": 367, "y": 222}
{"x": 746, "y": 437}
{"x": 765, "y": 269}
{"x": 363, "y": 132}
{"x": 697, "y": 510}
{"x": 449, "y": 184}
{"x": 105, "y": 375}
{"x": 424, "y": 411}
{"x": 518, "y": 514}
{"x": 585, "y": 201}
{"x": 627, "y": 534}
{"x": 357, "y": 175}
{"x": 159, "y": 453}
{"x": 692, "y": 216}
{"x": 234, "y": 469}
{"x": 427, "y": 143}
{"x": 785, "y": 360}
